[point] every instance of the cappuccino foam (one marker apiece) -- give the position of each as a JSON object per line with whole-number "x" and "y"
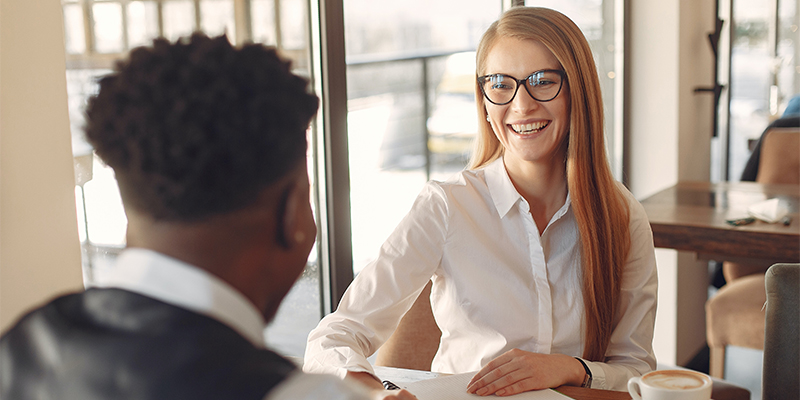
{"x": 674, "y": 380}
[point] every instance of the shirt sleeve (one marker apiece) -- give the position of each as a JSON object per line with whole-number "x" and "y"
{"x": 383, "y": 292}
{"x": 630, "y": 352}
{"x": 300, "y": 386}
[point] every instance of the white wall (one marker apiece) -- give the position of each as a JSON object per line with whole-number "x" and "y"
{"x": 669, "y": 141}
{"x": 39, "y": 246}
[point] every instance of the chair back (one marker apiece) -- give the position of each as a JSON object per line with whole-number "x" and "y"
{"x": 416, "y": 340}
{"x": 781, "y": 373}
{"x": 780, "y": 156}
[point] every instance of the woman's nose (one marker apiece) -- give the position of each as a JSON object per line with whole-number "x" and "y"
{"x": 524, "y": 102}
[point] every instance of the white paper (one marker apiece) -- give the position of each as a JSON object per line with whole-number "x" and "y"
{"x": 770, "y": 211}
{"x": 454, "y": 387}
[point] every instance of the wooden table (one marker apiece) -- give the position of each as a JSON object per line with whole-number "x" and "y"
{"x": 408, "y": 375}
{"x": 690, "y": 216}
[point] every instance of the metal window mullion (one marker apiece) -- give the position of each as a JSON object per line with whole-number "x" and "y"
{"x": 333, "y": 172}
{"x": 160, "y": 17}
{"x": 506, "y": 4}
{"x": 88, "y": 26}
{"x": 124, "y": 5}
{"x": 724, "y": 52}
{"x": 197, "y": 16}
{"x": 278, "y": 29}
{"x": 242, "y": 21}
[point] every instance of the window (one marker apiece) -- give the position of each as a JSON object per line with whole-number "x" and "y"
{"x": 410, "y": 81}
{"x": 97, "y": 32}
{"x": 764, "y": 64}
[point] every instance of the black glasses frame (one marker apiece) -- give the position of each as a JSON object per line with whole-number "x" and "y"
{"x": 521, "y": 82}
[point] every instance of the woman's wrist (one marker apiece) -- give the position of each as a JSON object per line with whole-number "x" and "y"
{"x": 366, "y": 379}
{"x": 587, "y": 374}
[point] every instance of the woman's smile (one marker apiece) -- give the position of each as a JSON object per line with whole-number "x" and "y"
{"x": 529, "y": 128}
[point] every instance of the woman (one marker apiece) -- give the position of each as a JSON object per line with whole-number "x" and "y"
{"x": 542, "y": 265}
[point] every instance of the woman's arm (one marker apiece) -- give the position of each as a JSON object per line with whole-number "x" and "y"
{"x": 630, "y": 352}
{"x": 381, "y": 294}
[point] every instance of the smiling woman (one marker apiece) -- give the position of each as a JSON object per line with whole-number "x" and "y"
{"x": 542, "y": 266}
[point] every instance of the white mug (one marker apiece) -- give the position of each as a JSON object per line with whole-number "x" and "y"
{"x": 670, "y": 385}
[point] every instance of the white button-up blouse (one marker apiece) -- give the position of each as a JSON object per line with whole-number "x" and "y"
{"x": 497, "y": 285}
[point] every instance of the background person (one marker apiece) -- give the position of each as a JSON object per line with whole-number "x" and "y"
{"x": 540, "y": 261}
{"x": 208, "y": 144}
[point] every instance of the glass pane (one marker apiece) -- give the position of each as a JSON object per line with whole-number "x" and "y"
{"x": 107, "y": 27}
{"x": 788, "y": 52}
{"x": 293, "y": 24}
{"x": 301, "y": 309}
{"x": 142, "y": 22}
{"x": 596, "y": 20}
{"x": 74, "y": 35}
{"x": 751, "y": 67}
{"x": 178, "y": 18}
{"x": 101, "y": 219}
{"x": 262, "y": 13}
{"x": 216, "y": 18}
{"x": 399, "y": 61}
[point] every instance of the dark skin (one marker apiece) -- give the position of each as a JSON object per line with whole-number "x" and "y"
{"x": 259, "y": 250}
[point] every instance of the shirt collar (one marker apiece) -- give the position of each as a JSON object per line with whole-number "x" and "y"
{"x": 174, "y": 282}
{"x": 503, "y": 192}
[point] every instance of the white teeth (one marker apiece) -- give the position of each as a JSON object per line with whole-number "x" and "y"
{"x": 529, "y": 128}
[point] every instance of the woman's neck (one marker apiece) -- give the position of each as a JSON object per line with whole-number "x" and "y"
{"x": 542, "y": 185}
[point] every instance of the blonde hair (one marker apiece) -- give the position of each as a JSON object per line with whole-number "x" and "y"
{"x": 600, "y": 208}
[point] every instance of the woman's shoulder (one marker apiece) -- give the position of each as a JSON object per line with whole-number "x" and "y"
{"x": 636, "y": 211}
{"x": 467, "y": 178}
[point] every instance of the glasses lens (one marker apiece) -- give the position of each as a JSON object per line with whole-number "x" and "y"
{"x": 499, "y": 88}
{"x": 543, "y": 85}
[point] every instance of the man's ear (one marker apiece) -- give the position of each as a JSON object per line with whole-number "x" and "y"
{"x": 286, "y": 226}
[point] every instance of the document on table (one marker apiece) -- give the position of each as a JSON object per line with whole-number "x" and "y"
{"x": 454, "y": 387}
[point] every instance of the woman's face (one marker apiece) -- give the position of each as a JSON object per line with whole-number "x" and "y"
{"x": 528, "y": 129}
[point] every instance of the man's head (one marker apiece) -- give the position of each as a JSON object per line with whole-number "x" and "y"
{"x": 198, "y": 127}
{"x": 208, "y": 143}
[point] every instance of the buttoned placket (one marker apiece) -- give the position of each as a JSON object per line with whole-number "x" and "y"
{"x": 541, "y": 285}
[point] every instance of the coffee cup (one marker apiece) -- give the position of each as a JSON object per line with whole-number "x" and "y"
{"x": 670, "y": 385}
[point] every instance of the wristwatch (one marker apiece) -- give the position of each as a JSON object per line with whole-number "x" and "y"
{"x": 587, "y": 379}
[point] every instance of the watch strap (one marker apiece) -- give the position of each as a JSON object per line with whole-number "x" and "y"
{"x": 587, "y": 379}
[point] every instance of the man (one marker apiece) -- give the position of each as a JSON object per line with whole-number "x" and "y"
{"x": 208, "y": 143}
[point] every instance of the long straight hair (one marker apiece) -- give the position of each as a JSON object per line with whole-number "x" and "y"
{"x": 600, "y": 208}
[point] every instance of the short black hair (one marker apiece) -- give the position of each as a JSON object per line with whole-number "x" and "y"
{"x": 198, "y": 127}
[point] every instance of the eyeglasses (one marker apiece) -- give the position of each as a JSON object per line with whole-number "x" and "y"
{"x": 542, "y": 85}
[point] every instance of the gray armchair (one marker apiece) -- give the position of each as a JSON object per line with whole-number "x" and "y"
{"x": 781, "y": 379}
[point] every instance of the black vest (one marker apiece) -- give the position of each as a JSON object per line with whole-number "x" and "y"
{"x": 115, "y": 344}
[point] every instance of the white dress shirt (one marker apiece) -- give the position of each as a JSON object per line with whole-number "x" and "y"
{"x": 497, "y": 285}
{"x": 174, "y": 282}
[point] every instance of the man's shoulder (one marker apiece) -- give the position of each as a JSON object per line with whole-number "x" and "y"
{"x": 115, "y": 333}
{"x": 304, "y": 386}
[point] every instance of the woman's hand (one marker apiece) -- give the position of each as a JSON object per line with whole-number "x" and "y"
{"x": 376, "y": 389}
{"x": 518, "y": 371}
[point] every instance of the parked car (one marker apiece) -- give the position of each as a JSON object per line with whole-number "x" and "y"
{"x": 453, "y": 123}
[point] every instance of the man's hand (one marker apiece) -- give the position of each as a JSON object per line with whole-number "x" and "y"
{"x": 518, "y": 371}
{"x": 376, "y": 389}
{"x": 401, "y": 394}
